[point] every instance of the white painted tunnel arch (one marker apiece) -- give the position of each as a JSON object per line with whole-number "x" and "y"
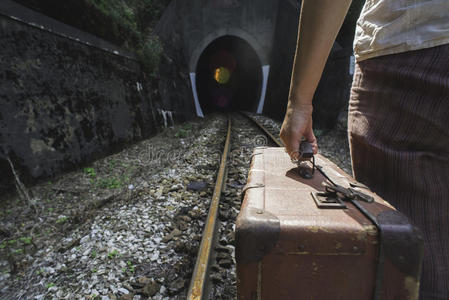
{"x": 229, "y": 32}
{"x": 265, "y": 72}
{"x": 199, "y": 111}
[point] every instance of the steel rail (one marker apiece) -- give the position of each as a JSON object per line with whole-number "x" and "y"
{"x": 269, "y": 134}
{"x": 199, "y": 281}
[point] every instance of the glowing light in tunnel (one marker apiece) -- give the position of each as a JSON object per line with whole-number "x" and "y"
{"x": 222, "y": 75}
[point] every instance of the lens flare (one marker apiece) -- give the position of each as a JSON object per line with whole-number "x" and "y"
{"x": 221, "y": 75}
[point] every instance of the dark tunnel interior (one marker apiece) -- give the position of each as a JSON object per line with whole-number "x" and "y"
{"x": 229, "y": 76}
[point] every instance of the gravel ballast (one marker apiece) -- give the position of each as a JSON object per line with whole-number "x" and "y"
{"x": 125, "y": 227}
{"x": 128, "y": 226}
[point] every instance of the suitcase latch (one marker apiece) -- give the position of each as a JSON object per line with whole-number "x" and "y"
{"x": 347, "y": 194}
{"x": 335, "y": 195}
{"x": 327, "y": 200}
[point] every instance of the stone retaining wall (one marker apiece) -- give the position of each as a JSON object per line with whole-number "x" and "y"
{"x": 64, "y": 103}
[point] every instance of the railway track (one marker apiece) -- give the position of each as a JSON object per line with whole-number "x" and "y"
{"x": 267, "y": 131}
{"x": 132, "y": 223}
{"x": 198, "y": 284}
{"x": 202, "y": 278}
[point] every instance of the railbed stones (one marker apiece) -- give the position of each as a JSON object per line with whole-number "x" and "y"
{"x": 151, "y": 288}
{"x": 245, "y": 137}
{"x": 151, "y": 231}
{"x": 197, "y": 185}
{"x": 175, "y": 232}
{"x": 142, "y": 240}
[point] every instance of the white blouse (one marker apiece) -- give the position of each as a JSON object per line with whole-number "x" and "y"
{"x": 395, "y": 26}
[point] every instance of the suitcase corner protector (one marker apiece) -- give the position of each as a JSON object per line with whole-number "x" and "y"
{"x": 256, "y": 233}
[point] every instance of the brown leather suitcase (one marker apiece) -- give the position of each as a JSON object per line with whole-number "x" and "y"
{"x": 294, "y": 242}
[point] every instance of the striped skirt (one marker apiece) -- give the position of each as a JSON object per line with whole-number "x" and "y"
{"x": 398, "y": 129}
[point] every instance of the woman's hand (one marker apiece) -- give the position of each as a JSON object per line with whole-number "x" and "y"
{"x": 297, "y": 123}
{"x": 320, "y": 22}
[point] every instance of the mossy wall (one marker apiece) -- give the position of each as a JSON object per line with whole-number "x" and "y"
{"x": 64, "y": 103}
{"x": 128, "y": 24}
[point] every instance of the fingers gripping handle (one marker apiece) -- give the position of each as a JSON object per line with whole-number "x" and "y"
{"x": 305, "y": 154}
{"x": 305, "y": 151}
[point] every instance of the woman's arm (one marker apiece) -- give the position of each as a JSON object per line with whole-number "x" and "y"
{"x": 320, "y": 21}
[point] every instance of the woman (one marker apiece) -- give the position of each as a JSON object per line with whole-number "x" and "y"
{"x": 397, "y": 125}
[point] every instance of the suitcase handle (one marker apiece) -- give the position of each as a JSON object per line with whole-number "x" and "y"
{"x": 305, "y": 154}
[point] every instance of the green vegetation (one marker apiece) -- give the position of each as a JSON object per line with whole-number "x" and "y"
{"x": 114, "y": 182}
{"x": 90, "y": 172}
{"x": 110, "y": 182}
{"x": 184, "y": 131}
{"x": 50, "y": 285}
{"x": 61, "y": 220}
{"x": 150, "y": 54}
{"x": 126, "y": 23}
{"x": 26, "y": 240}
{"x": 112, "y": 164}
{"x": 112, "y": 254}
{"x": 17, "y": 251}
{"x": 16, "y": 246}
{"x": 130, "y": 266}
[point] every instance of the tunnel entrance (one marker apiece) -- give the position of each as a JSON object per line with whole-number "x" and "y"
{"x": 228, "y": 76}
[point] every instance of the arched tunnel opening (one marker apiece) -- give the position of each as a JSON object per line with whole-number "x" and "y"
{"x": 228, "y": 76}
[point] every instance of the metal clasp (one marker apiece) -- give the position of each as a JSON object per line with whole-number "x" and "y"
{"x": 347, "y": 194}
{"x": 327, "y": 200}
{"x": 335, "y": 195}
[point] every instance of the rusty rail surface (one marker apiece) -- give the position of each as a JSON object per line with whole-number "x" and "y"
{"x": 198, "y": 288}
{"x": 269, "y": 134}
{"x": 198, "y": 284}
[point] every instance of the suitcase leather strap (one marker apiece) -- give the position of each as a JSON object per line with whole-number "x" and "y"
{"x": 250, "y": 186}
{"x": 353, "y": 196}
{"x": 398, "y": 241}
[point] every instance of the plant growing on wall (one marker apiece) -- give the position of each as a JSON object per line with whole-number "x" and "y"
{"x": 150, "y": 54}
{"x": 127, "y": 23}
